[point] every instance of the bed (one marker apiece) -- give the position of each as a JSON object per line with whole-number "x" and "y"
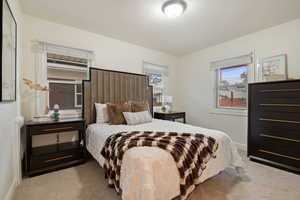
{"x": 147, "y": 173}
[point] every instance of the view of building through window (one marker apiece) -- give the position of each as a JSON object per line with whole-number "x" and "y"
{"x": 67, "y": 94}
{"x": 232, "y": 87}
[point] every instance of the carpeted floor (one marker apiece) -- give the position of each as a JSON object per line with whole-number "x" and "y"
{"x": 86, "y": 182}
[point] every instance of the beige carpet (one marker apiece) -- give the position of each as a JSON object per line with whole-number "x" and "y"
{"x": 86, "y": 182}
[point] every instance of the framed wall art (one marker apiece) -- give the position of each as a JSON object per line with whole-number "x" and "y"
{"x": 273, "y": 68}
{"x": 8, "y": 54}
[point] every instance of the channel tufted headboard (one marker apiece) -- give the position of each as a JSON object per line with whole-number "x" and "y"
{"x": 107, "y": 86}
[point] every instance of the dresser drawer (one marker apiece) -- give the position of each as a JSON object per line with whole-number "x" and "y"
{"x": 279, "y": 158}
{"x": 275, "y": 117}
{"x": 279, "y": 149}
{"x": 279, "y": 93}
{"x": 277, "y": 108}
{"x": 277, "y": 87}
{"x": 52, "y": 128}
{"x": 277, "y": 129}
{"x": 282, "y": 145}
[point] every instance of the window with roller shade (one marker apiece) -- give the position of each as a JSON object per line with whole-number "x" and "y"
{"x": 231, "y": 86}
{"x": 65, "y": 75}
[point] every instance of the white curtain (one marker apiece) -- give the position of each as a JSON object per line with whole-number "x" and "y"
{"x": 40, "y": 66}
{"x": 230, "y": 62}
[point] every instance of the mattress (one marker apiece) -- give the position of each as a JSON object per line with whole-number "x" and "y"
{"x": 150, "y": 173}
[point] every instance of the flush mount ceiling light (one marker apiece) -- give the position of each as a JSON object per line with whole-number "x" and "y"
{"x": 174, "y": 8}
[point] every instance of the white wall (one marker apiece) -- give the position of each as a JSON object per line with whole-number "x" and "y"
{"x": 9, "y": 113}
{"x": 110, "y": 53}
{"x": 195, "y": 89}
{"x": 190, "y": 80}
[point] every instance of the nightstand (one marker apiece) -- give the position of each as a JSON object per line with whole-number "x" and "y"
{"x": 54, "y": 151}
{"x": 170, "y": 115}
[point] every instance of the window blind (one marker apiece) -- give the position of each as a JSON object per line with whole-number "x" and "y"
{"x": 66, "y": 67}
{"x": 56, "y": 58}
{"x": 67, "y": 51}
{"x": 230, "y": 62}
{"x": 155, "y": 69}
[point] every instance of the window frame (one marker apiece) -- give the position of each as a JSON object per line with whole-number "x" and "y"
{"x": 218, "y": 71}
{"x": 161, "y": 70}
{"x": 77, "y": 93}
{"x": 162, "y": 89}
{"x": 217, "y": 109}
{"x": 67, "y": 112}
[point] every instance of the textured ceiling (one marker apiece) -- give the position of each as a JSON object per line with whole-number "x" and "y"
{"x": 204, "y": 23}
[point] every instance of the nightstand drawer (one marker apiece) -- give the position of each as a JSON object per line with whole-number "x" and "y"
{"x": 170, "y": 116}
{"x": 45, "y": 129}
{"x": 52, "y": 160}
{"x": 176, "y": 116}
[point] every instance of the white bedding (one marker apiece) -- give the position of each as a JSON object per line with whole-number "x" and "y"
{"x": 150, "y": 173}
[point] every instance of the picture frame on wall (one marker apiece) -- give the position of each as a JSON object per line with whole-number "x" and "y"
{"x": 272, "y": 68}
{"x": 8, "y": 58}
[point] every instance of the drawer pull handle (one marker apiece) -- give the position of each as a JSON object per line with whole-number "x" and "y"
{"x": 277, "y": 120}
{"x": 279, "y": 138}
{"x": 281, "y": 90}
{"x": 281, "y": 105}
{"x": 58, "y": 129}
{"x": 280, "y": 155}
{"x": 59, "y": 158}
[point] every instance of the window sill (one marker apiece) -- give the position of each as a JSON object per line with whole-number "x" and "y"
{"x": 233, "y": 112}
{"x": 64, "y": 114}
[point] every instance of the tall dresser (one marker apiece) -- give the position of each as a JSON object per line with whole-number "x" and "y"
{"x": 274, "y": 124}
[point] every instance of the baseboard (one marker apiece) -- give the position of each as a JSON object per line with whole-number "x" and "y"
{"x": 240, "y": 146}
{"x": 10, "y": 193}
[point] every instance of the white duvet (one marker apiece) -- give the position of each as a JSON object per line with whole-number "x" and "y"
{"x": 150, "y": 173}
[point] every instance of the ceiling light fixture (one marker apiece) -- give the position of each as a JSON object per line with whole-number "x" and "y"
{"x": 174, "y": 8}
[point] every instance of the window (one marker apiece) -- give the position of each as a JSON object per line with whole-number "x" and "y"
{"x": 232, "y": 87}
{"x": 67, "y": 94}
{"x": 65, "y": 75}
{"x": 156, "y": 80}
{"x": 60, "y": 68}
{"x": 158, "y": 75}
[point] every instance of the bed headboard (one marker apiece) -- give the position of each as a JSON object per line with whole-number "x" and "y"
{"x": 107, "y": 86}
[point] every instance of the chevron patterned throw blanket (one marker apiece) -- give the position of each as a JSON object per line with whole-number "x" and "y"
{"x": 191, "y": 152}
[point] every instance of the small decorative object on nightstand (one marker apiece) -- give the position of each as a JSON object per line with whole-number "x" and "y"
{"x": 170, "y": 115}
{"x": 55, "y": 115}
{"x": 56, "y": 150}
{"x": 167, "y": 103}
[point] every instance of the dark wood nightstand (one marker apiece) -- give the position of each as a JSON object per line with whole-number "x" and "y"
{"x": 57, "y": 155}
{"x": 170, "y": 115}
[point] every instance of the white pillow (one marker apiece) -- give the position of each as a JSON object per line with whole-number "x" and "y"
{"x": 133, "y": 118}
{"x": 101, "y": 113}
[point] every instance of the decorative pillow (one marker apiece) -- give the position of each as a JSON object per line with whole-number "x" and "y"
{"x": 101, "y": 113}
{"x": 133, "y": 118}
{"x": 139, "y": 106}
{"x": 115, "y": 113}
